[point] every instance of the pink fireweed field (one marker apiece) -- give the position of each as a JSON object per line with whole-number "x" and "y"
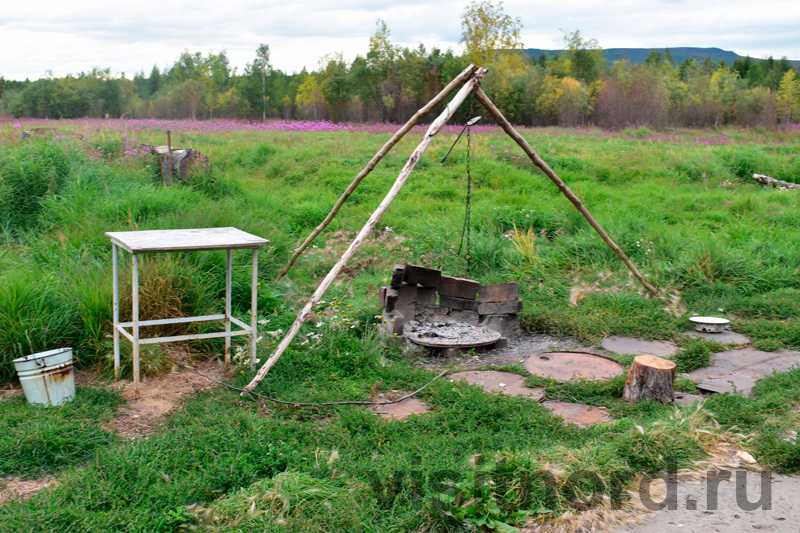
{"x": 785, "y": 136}
{"x": 133, "y": 139}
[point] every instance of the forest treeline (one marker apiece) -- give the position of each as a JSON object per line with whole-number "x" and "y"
{"x": 390, "y": 82}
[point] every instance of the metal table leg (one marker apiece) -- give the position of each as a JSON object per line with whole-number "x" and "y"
{"x": 254, "y": 309}
{"x": 228, "y": 277}
{"x": 135, "y": 297}
{"x": 115, "y": 261}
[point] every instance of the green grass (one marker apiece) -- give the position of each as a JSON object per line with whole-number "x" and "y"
{"x": 40, "y": 440}
{"x": 722, "y": 243}
{"x": 219, "y": 444}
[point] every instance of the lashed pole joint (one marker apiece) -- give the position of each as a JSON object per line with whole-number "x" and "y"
{"x": 472, "y": 85}
{"x": 439, "y": 98}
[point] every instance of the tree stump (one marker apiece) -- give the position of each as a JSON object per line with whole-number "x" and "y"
{"x": 650, "y": 378}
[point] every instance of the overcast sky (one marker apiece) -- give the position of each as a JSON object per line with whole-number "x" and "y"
{"x": 70, "y": 36}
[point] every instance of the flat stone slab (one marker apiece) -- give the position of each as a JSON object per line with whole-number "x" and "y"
{"x": 577, "y": 413}
{"x": 495, "y": 381}
{"x": 725, "y": 337}
{"x": 686, "y": 398}
{"x": 564, "y": 366}
{"x": 400, "y": 410}
{"x": 636, "y": 346}
{"x": 738, "y": 370}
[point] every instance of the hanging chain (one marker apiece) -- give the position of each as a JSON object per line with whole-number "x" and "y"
{"x": 466, "y": 230}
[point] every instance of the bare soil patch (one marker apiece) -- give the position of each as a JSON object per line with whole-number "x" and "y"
{"x": 514, "y": 353}
{"x": 161, "y": 395}
{"x": 17, "y": 488}
{"x": 577, "y": 413}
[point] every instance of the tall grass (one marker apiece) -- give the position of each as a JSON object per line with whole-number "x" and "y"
{"x": 709, "y": 233}
{"x": 55, "y": 206}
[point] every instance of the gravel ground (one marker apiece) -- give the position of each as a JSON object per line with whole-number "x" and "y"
{"x": 773, "y": 507}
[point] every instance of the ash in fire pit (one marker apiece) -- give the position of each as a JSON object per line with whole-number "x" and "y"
{"x": 449, "y": 335}
{"x": 448, "y": 313}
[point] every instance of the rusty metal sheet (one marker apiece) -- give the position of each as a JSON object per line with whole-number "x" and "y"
{"x": 736, "y": 371}
{"x": 564, "y": 366}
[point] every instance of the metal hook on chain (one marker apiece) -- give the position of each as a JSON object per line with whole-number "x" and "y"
{"x": 466, "y": 230}
{"x": 469, "y": 123}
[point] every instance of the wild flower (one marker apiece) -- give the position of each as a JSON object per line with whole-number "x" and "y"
{"x": 647, "y": 245}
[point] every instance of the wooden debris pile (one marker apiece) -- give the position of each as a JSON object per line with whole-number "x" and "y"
{"x": 421, "y": 294}
{"x": 184, "y": 164}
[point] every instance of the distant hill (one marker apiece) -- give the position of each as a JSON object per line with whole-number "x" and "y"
{"x": 639, "y": 55}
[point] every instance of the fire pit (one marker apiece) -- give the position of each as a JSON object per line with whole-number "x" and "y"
{"x": 449, "y": 335}
{"x": 447, "y": 313}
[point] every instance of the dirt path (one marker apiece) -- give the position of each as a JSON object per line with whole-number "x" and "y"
{"x": 160, "y": 396}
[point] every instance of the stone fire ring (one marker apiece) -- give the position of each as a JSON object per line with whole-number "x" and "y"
{"x": 564, "y": 366}
{"x": 449, "y": 334}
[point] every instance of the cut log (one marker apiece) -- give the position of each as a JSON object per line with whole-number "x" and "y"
{"x": 772, "y": 182}
{"x": 650, "y": 378}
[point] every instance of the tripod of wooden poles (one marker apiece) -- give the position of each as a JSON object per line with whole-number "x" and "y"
{"x": 469, "y": 80}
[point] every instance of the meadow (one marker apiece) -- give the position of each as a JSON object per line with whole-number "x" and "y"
{"x": 680, "y": 203}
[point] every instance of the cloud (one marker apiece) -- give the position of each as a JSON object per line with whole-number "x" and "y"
{"x": 38, "y": 35}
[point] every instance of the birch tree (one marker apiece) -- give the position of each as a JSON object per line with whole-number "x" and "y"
{"x": 486, "y": 29}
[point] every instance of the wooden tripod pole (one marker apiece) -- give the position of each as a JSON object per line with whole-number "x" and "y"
{"x": 534, "y": 157}
{"x": 439, "y": 98}
{"x": 434, "y": 128}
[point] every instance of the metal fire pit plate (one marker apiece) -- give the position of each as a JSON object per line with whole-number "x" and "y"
{"x": 449, "y": 334}
{"x": 564, "y": 366}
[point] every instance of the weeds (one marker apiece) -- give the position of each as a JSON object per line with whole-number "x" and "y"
{"x": 525, "y": 244}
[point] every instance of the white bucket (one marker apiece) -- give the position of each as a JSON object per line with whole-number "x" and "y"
{"x": 47, "y": 377}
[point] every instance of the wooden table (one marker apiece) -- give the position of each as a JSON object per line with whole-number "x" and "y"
{"x": 183, "y": 240}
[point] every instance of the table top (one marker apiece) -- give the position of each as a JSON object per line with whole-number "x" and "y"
{"x": 184, "y": 240}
